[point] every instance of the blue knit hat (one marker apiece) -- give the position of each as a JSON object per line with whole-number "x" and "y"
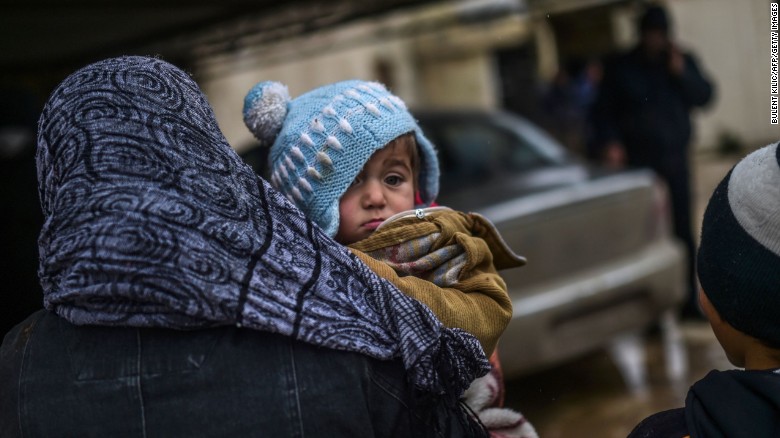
{"x": 321, "y": 140}
{"x": 739, "y": 256}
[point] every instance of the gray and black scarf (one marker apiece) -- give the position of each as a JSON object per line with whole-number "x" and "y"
{"x": 152, "y": 220}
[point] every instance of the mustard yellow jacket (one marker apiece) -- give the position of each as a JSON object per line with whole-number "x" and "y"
{"x": 448, "y": 260}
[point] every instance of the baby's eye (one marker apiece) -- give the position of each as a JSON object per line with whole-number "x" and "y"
{"x": 394, "y": 180}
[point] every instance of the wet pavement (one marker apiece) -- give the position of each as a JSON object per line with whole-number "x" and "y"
{"x": 606, "y": 393}
{"x": 589, "y": 398}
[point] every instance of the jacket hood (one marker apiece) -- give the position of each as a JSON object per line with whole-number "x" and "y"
{"x": 734, "y": 404}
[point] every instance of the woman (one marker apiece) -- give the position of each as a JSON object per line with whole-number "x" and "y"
{"x": 185, "y": 296}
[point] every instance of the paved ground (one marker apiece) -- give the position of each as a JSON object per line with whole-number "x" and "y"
{"x": 589, "y": 398}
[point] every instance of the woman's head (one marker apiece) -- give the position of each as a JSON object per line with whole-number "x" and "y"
{"x": 140, "y": 191}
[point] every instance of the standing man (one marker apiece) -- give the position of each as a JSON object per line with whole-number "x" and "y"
{"x": 641, "y": 118}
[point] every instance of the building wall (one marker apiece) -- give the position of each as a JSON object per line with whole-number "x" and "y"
{"x": 227, "y": 80}
{"x": 432, "y": 56}
{"x": 463, "y": 81}
{"x": 731, "y": 40}
{"x": 436, "y": 55}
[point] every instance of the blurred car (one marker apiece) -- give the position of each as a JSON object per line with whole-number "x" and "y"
{"x": 601, "y": 258}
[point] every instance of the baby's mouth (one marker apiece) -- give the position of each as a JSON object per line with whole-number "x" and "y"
{"x": 373, "y": 224}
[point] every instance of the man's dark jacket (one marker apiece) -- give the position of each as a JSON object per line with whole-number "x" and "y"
{"x": 646, "y": 108}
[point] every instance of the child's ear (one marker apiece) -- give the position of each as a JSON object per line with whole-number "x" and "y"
{"x": 731, "y": 340}
{"x": 708, "y": 308}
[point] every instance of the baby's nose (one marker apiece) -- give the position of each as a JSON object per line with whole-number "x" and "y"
{"x": 373, "y": 196}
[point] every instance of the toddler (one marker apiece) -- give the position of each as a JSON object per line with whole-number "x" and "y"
{"x": 353, "y": 159}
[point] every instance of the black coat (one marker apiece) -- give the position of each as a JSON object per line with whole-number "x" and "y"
{"x": 645, "y": 107}
{"x": 730, "y": 404}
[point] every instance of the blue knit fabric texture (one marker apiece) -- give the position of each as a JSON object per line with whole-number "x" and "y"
{"x": 328, "y": 136}
{"x": 152, "y": 220}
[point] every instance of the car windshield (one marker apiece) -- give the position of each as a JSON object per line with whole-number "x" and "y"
{"x": 475, "y": 150}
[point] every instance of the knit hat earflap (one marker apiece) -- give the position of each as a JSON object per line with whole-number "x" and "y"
{"x": 739, "y": 256}
{"x": 322, "y": 139}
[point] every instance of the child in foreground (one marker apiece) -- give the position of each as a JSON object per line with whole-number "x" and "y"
{"x": 739, "y": 270}
{"x": 354, "y": 160}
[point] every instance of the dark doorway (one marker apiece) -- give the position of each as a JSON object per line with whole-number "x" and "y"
{"x": 519, "y": 83}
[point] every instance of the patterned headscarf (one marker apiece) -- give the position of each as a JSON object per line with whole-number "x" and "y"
{"x": 152, "y": 220}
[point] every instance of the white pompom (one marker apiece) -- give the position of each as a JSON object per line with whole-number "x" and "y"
{"x": 265, "y": 107}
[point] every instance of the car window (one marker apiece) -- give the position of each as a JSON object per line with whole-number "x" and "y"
{"x": 476, "y": 151}
{"x": 547, "y": 148}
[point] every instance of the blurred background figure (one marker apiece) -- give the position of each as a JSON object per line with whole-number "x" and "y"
{"x": 642, "y": 118}
{"x": 567, "y": 102}
{"x": 21, "y": 216}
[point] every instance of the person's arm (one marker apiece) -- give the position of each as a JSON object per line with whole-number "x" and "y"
{"x": 696, "y": 89}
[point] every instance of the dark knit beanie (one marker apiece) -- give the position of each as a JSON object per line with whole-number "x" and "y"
{"x": 654, "y": 18}
{"x": 739, "y": 256}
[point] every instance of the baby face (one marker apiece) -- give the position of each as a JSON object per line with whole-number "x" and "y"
{"x": 383, "y": 188}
